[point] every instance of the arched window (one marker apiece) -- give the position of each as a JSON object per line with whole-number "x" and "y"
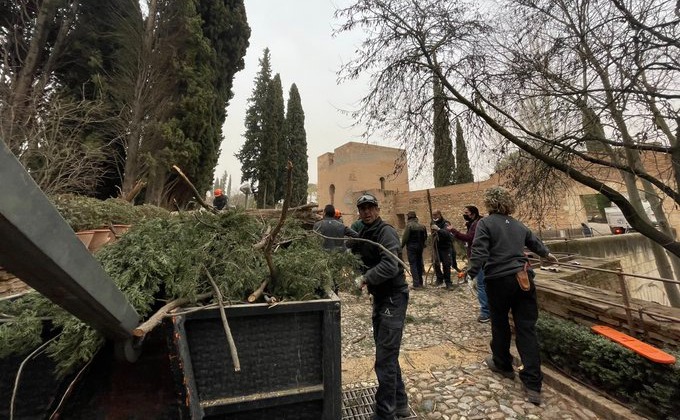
{"x": 331, "y": 191}
{"x": 382, "y": 182}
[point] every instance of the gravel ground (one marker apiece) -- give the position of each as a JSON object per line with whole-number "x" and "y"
{"x": 441, "y": 359}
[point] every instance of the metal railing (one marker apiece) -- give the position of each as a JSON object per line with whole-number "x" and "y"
{"x": 623, "y": 288}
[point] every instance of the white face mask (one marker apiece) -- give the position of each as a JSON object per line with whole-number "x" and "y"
{"x": 436, "y": 219}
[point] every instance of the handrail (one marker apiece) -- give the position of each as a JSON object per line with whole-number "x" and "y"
{"x": 626, "y": 306}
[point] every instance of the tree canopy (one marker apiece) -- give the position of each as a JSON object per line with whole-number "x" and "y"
{"x": 511, "y": 66}
{"x": 130, "y": 94}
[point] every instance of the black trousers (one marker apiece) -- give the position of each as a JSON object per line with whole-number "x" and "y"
{"x": 389, "y": 313}
{"x": 505, "y": 295}
{"x": 415, "y": 260}
{"x": 442, "y": 267}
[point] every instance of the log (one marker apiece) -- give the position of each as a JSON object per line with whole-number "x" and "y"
{"x": 144, "y": 328}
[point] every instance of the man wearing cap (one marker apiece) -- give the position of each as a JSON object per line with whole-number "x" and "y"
{"x": 414, "y": 238}
{"x": 220, "y": 200}
{"x": 385, "y": 280}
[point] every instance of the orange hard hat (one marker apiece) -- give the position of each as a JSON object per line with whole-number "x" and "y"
{"x": 218, "y": 192}
{"x": 338, "y": 213}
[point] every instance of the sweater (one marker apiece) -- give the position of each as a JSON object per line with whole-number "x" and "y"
{"x": 498, "y": 247}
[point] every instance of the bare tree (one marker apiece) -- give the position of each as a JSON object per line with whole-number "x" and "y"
{"x": 617, "y": 59}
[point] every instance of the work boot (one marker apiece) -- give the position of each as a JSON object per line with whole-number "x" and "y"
{"x": 534, "y": 397}
{"x": 404, "y": 411}
{"x": 400, "y": 412}
{"x": 510, "y": 374}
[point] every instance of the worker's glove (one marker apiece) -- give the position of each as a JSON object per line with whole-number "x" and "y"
{"x": 434, "y": 227}
{"x": 552, "y": 258}
{"x": 468, "y": 279}
{"x": 360, "y": 281}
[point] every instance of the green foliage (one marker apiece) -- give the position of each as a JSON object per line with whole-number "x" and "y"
{"x": 163, "y": 259}
{"x": 83, "y": 213}
{"x": 444, "y": 162}
{"x": 651, "y": 387}
{"x": 250, "y": 153}
{"x": 296, "y": 141}
{"x": 463, "y": 170}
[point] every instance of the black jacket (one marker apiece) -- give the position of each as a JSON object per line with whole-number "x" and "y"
{"x": 220, "y": 202}
{"x": 382, "y": 272}
{"x": 415, "y": 235}
{"x": 443, "y": 237}
{"x": 333, "y": 228}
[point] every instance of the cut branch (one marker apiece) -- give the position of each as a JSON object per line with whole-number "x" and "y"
{"x": 197, "y": 195}
{"x": 387, "y": 251}
{"x": 225, "y": 323}
{"x": 143, "y": 329}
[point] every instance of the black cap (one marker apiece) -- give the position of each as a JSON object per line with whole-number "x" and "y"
{"x": 367, "y": 199}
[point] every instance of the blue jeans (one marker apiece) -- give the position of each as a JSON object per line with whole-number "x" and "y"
{"x": 481, "y": 296}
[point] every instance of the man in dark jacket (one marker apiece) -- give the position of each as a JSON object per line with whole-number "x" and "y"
{"x": 442, "y": 241}
{"x": 220, "y": 200}
{"x": 385, "y": 279}
{"x": 498, "y": 247}
{"x": 472, "y": 217}
{"x": 414, "y": 238}
{"x": 333, "y": 229}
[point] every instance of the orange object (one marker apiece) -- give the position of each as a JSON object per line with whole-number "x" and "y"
{"x": 643, "y": 349}
{"x": 218, "y": 192}
{"x": 461, "y": 274}
{"x": 338, "y": 214}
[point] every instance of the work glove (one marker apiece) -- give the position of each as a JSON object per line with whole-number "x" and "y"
{"x": 552, "y": 258}
{"x": 468, "y": 279}
{"x": 360, "y": 281}
{"x": 434, "y": 227}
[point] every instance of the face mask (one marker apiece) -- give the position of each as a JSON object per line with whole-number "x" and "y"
{"x": 466, "y": 217}
{"x": 436, "y": 219}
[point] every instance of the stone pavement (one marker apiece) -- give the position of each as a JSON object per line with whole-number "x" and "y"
{"x": 441, "y": 359}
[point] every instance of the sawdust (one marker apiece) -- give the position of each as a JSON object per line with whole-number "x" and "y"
{"x": 361, "y": 368}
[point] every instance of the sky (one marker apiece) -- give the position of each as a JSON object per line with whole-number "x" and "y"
{"x": 303, "y": 51}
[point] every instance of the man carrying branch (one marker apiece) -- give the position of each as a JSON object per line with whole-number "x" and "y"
{"x": 385, "y": 279}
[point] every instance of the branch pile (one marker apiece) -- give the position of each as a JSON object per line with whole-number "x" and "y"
{"x": 164, "y": 259}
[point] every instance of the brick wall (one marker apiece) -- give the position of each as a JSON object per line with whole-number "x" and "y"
{"x": 357, "y": 167}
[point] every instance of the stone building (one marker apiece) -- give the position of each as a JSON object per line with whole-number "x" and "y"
{"x": 355, "y": 168}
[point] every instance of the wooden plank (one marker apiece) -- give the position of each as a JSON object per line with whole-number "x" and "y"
{"x": 643, "y": 349}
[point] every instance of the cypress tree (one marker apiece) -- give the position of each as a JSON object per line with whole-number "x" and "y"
{"x": 250, "y": 153}
{"x": 444, "y": 161}
{"x": 277, "y": 155}
{"x": 213, "y": 52}
{"x": 463, "y": 170}
{"x": 296, "y": 140}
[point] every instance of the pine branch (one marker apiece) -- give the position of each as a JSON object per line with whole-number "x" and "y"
{"x": 387, "y": 251}
{"x": 270, "y": 239}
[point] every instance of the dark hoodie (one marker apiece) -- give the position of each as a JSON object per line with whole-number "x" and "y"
{"x": 382, "y": 272}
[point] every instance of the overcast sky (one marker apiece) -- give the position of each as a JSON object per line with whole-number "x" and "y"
{"x": 303, "y": 51}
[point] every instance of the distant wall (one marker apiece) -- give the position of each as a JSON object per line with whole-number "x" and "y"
{"x": 634, "y": 252}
